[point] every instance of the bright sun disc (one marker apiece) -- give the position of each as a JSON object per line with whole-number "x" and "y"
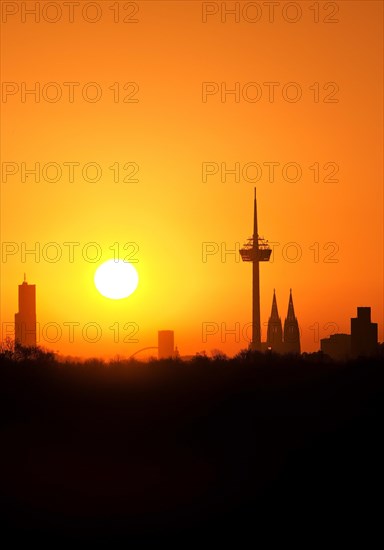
{"x": 116, "y": 279}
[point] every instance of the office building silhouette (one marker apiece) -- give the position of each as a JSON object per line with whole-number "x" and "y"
{"x": 362, "y": 342}
{"x": 337, "y": 346}
{"x": 25, "y": 318}
{"x": 363, "y": 334}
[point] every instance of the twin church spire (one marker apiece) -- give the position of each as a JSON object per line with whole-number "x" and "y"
{"x": 289, "y": 340}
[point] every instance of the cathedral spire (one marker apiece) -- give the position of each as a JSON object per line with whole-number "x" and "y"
{"x": 274, "y": 310}
{"x": 275, "y": 331}
{"x": 291, "y": 329}
{"x": 291, "y": 309}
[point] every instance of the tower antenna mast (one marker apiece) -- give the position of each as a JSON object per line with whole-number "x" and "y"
{"x": 255, "y": 250}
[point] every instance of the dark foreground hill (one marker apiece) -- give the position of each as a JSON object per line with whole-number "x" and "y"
{"x": 202, "y": 452}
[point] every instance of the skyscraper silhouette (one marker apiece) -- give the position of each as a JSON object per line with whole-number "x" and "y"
{"x": 291, "y": 329}
{"x": 362, "y": 341}
{"x": 25, "y": 319}
{"x": 363, "y": 333}
{"x": 275, "y": 329}
{"x": 255, "y": 250}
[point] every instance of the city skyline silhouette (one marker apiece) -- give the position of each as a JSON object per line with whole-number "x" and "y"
{"x": 363, "y": 341}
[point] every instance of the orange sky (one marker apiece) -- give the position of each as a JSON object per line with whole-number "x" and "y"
{"x": 169, "y": 133}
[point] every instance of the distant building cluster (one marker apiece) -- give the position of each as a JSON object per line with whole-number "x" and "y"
{"x": 362, "y": 342}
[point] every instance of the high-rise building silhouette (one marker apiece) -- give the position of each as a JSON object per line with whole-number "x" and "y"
{"x": 275, "y": 329}
{"x": 363, "y": 333}
{"x": 166, "y": 344}
{"x": 255, "y": 250}
{"x": 291, "y": 329}
{"x": 362, "y": 341}
{"x": 25, "y": 318}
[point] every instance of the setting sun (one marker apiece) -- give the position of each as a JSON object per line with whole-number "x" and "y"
{"x": 116, "y": 279}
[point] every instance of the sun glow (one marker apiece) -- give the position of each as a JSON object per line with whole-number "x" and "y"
{"x": 116, "y": 279}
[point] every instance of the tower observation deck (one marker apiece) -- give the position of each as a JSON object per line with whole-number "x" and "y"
{"x": 255, "y": 250}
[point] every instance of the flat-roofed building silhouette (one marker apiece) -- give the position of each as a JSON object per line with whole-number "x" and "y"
{"x": 337, "y": 346}
{"x": 166, "y": 344}
{"x": 363, "y": 334}
{"x": 25, "y": 318}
